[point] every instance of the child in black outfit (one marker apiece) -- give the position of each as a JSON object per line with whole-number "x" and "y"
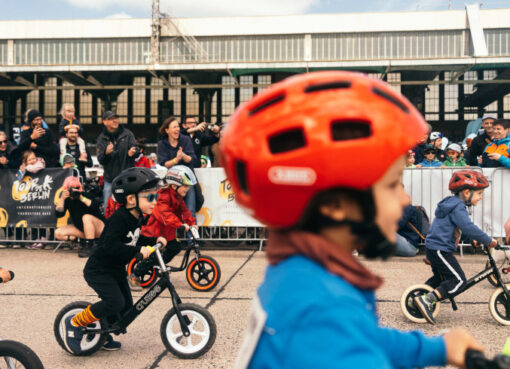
{"x": 121, "y": 241}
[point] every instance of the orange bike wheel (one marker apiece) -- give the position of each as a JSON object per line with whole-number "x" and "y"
{"x": 148, "y": 279}
{"x": 204, "y": 275}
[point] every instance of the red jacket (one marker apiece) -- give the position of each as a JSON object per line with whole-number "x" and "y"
{"x": 143, "y": 161}
{"x": 169, "y": 214}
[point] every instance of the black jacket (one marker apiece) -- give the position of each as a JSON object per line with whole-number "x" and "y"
{"x": 13, "y": 156}
{"x": 477, "y": 148}
{"x": 118, "y": 160}
{"x": 75, "y": 152}
{"x": 200, "y": 140}
{"x": 120, "y": 242}
{"x": 47, "y": 147}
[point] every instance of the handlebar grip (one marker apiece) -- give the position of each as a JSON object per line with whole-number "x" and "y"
{"x": 12, "y": 277}
{"x": 476, "y": 360}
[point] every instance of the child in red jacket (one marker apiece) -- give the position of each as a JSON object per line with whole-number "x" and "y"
{"x": 169, "y": 214}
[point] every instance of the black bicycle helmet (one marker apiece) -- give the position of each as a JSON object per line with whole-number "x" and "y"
{"x": 132, "y": 181}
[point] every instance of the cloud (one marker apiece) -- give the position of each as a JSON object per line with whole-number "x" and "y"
{"x": 120, "y": 15}
{"x": 196, "y": 8}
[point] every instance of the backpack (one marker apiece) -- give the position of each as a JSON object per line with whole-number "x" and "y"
{"x": 422, "y": 228}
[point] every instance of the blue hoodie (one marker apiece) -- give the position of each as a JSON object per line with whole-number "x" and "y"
{"x": 451, "y": 213}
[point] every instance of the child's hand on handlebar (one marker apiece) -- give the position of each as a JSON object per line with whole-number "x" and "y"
{"x": 457, "y": 342}
{"x": 146, "y": 251}
{"x": 185, "y": 226}
{"x": 162, "y": 240}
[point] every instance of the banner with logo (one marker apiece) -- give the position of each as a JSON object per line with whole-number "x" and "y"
{"x": 220, "y": 208}
{"x": 31, "y": 200}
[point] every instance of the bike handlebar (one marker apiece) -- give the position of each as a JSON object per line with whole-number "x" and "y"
{"x": 477, "y": 360}
{"x": 157, "y": 246}
{"x": 12, "y": 276}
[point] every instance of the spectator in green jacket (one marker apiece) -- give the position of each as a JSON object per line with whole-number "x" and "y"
{"x": 454, "y": 156}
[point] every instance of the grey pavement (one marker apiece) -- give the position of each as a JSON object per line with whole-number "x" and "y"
{"x": 47, "y": 281}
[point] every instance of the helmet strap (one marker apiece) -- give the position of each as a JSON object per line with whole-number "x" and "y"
{"x": 466, "y": 201}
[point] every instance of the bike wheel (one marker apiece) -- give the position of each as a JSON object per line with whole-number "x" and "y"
{"x": 499, "y": 306}
{"x": 202, "y": 331}
{"x": 91, "y": 342}
{"x": 148, "y": 279}
{"x": 18, "y": 355}
{"x": 203, "y": 275}
{"x": 407, "y": 304}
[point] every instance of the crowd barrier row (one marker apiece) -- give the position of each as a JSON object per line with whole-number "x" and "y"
{"x": 222, "y": 220}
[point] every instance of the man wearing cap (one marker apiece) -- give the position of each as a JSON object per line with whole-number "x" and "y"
{"x": 482, "y": 140}
{"x": 82, "y": 160}
{"x": 116, "y": 150}
{"x": 40, "y": 140}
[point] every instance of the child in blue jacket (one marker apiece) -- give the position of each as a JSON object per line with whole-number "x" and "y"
{"x": 451, "y": 219}
{"x": 282, "y": 154}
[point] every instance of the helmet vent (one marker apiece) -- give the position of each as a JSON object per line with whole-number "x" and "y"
{"x": 287, "y": 141}
{"x": 266, "y": 104}
{"x": 350, "y": 130}
{"x": 328, "y": 86}
{"x": 241, "y": 176}
{"x": 392, "y": 99}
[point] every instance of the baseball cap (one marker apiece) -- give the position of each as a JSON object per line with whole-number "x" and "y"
{"x": 489, "y": 116}
{"x": 66, "y": 158}
{"x": 109, "y": 114}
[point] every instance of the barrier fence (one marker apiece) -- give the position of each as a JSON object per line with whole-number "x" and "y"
{"x": 222, "y": 220}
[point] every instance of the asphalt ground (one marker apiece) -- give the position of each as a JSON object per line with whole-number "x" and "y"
{"x": 46, "y": 281}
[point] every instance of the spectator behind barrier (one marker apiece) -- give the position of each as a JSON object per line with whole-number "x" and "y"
{"x": 436, "y": 141}
{"x": 454, "y": 157}
{"x": 40, "y": 140}
{"x": 497, "y": 153}
{"x": 199, "y": 138}
{"x": 70, "y": 121}
{"x": 9, "y": 155}
{"x": 81, "y": 159}
{"x": 214, "y": 150}
{"x": 481, "y": 141}
{"x": 204, "y": 162}
{"x": 430, "y": 158}
{"x": 140, "y": 159}
{"x": 175, "y": 148}
{"x": 67, "y": 161}
{"x": 88, "y": 222}
{"x": 410, "y": 159}
{"x": 29, "y": 163}
{"x": 408, "y": 238}
{"x": 116, "y": 149}
{"x": 418, "y": 149}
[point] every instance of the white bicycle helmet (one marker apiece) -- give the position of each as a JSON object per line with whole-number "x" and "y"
{"x": 435, "y": 135}
{"x": 180, "y": 175}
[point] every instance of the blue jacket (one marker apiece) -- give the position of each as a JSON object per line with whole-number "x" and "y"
{"x": 431, "y": 164}
{"x": 451, "y": 213}
{"x": 317, "y": 320}
{"x": 167, "y": 152}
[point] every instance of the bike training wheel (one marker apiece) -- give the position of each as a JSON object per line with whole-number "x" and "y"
{"x": 499, "y": 306}
{"x": 202, "y": 331}
{"x": 505, "y": 277}
{"x": 91, "y": 342}
{"x": 203, "y": 275}
{"x": 148, "y": 279}
{"x": 407, "y": 304}
{"x": 18, "y": 355}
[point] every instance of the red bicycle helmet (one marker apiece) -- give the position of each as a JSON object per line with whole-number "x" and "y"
{"x": 470, "y": 179}
{"x": 313, "y": 132}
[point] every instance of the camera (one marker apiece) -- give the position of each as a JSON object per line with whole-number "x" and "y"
{"x": 210, "y": 125}
{"x": 74, "y": 194}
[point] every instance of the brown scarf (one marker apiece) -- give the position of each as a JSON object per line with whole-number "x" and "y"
{"x": 281, "y": 245}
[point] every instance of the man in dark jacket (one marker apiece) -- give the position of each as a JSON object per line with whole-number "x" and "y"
{"x": 9, "y": 155}
{"x": 81, "y": 160}
{"x": 40, "y": 140}
{"x": 198, "y": 136}
{"x": 481, "y": 141}
{"x": 116, "y": 149}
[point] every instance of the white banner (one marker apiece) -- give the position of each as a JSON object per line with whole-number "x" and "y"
{"x": 426, "y": 186}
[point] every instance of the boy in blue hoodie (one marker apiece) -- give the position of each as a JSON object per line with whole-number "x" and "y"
{"x": 451, "y": 219}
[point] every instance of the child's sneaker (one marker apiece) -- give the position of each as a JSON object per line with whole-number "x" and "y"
{"x": 134, "y": 282}
{"x": 427, "y": 309}
{"x": 111, "y": 344}
{"x": 73, "y": 336}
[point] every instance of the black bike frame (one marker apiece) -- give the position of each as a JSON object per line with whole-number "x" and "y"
{"x": 130, "y": 315}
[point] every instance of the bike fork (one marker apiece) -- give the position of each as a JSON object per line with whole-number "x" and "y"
{"x": 183, "y": 321}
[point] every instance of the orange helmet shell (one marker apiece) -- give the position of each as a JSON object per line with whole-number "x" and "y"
{"x": 280, "y": 148}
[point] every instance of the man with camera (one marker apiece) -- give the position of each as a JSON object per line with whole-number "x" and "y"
{"x": 116, "y": 150}
{"x": 198, "y": 136}
{"x": 40, "y": 140}
{"x": 88, "y": 221}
